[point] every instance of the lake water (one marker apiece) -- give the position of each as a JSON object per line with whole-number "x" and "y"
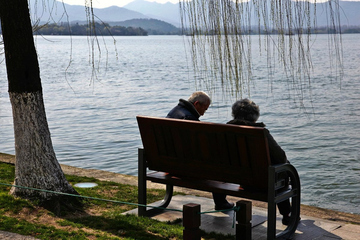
{"x": 93, "y": 125}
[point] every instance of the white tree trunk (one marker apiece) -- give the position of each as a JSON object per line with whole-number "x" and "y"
{"x": 36, "y": 164}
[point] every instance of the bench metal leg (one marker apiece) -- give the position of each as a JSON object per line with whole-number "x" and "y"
{"x": 168, "y": 196}
{"x": 142, "y": 189}
{"x": 271, "y": 226}
{"x": 163, "y": 204}
{"x": 292, "y": 193}
{"x": 141, "y": 182}
{"x": 295, "y": 203}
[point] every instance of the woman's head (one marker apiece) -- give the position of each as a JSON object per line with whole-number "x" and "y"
{"x": 245, "y": 109}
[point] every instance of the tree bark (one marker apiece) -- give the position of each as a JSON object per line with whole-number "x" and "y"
{"x": 36, "y": 164}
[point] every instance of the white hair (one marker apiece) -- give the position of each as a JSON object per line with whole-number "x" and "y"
{"x": 201, "y": 97}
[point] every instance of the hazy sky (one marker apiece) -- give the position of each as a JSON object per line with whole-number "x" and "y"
{"x": 108, "y": 3}
{"x": 121, "y": 3}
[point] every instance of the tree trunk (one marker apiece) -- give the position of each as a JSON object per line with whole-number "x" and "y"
{"x": 36, "y": 164}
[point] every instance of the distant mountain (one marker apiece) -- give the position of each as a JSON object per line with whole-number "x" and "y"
{"x": 152, "y": 26}
{"x": 61, "y": 12}
{"x": 168, "y": 12}
{"x": 115, "y": 16}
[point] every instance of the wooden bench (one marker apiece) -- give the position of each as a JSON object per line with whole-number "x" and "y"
{"x": 222, "y": 158}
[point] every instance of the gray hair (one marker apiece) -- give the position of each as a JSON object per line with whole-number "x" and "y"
{"x": 201, "y": 97}
{"x": 245, "y": 109}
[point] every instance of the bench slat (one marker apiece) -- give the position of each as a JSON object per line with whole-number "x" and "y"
{"x": 207, "y": 185}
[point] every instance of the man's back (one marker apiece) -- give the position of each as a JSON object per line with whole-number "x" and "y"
{"x": 184, "y": 110}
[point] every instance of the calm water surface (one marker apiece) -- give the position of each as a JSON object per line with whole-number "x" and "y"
{"x": 93, "y": 125}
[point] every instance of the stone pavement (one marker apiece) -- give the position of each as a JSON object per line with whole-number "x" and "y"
{"x": 14, "y": 236}
{"x": 223, "y": 222}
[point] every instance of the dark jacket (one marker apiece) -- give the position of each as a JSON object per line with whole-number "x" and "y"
{"x": 277, "y": 154}
{"x": 184, "y": 110}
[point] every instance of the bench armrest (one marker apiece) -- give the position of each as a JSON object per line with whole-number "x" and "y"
{"x": 276, "y": 173}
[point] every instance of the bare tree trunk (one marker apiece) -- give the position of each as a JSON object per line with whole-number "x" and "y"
{"x": 36, "y": 164}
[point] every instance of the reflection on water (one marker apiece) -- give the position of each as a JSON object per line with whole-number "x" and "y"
{"x": 93, "y": 124}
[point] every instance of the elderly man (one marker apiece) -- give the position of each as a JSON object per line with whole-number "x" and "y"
{"x": 192, "y": 109}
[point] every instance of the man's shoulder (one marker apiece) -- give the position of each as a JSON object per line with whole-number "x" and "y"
{"x": 182, "y": 111}
{"x": 176, "y": 112}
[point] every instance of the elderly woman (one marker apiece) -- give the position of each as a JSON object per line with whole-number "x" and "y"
{"x": 246, "y": 112}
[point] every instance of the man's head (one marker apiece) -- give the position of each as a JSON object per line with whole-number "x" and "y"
{"x": 245, "y": 109}
{"x": 201, "y": 101}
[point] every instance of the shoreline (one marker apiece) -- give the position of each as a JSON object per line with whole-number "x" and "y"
{"x": 326, "y": 214}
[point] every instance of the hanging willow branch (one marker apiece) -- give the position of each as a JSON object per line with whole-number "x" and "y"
{"x": 221, "y": 33}
{"x": 57, "y": 8}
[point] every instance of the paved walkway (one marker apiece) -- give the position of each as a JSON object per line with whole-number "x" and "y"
{"x": 222, "y": 222}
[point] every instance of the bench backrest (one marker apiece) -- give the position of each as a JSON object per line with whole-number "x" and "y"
{"x": 203, "y": 150}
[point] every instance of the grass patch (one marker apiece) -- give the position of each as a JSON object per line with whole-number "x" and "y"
{"x": 98, "y": 220}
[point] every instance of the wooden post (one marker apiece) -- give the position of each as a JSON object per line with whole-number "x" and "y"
{"x": 243, "y": 220}
{"x": 191, "y": 221}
